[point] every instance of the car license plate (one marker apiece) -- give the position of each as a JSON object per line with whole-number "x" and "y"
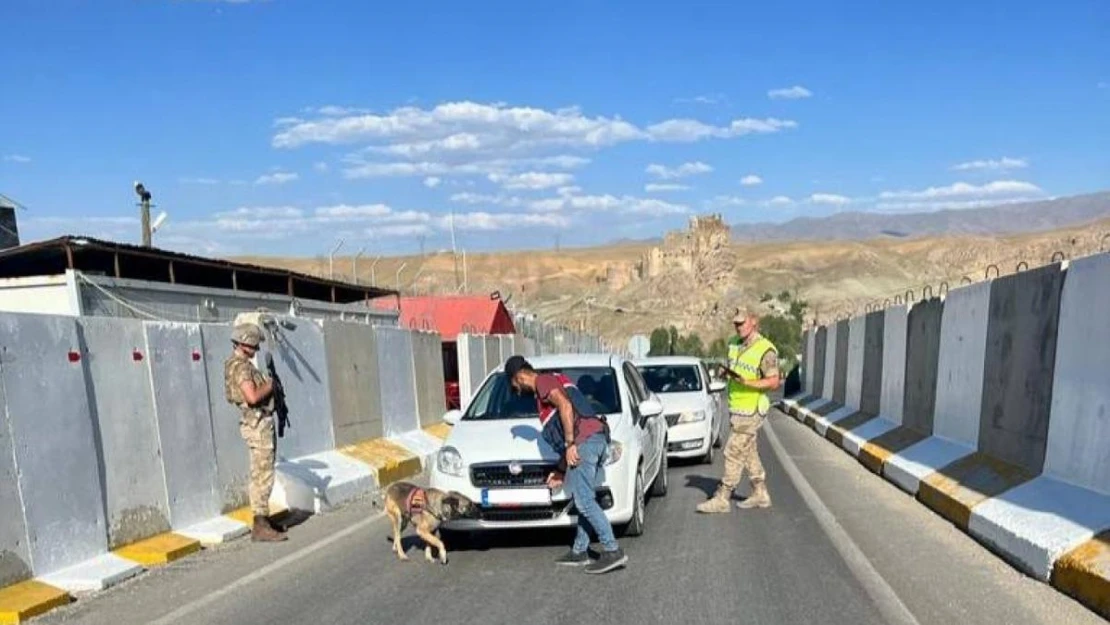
{"x": 516, "y": 497}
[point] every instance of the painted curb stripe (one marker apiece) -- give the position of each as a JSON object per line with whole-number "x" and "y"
{"x": 1084, "y": 573}
{"x": 954, "y": 490}
{"x": 439, "y": 430}
{"x": 875, "y": 452}
{"x": 160, "y": 549}
{"x": 25, "y": 600}
{"x": 827, "y": 409}
{"x": 391, "y": 461}
{"x": 835, "y": 432}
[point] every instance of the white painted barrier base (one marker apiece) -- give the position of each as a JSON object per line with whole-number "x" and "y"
{"x": 319, "y": 482}
{"x": 915, "y": 463}
{"x": 93, "y": 575}
{"x": 216, "y": 531}
{"x": 420, "y": 443}
{"x": 854, "y": 439}
{"x": 821, "y": 424}
{"x": 811, "y": 408}
{"x": 1037, "y": 522}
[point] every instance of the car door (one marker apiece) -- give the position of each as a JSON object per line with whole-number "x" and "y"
{"x": 651, "y": 430}
{"x": 713, "y": 400}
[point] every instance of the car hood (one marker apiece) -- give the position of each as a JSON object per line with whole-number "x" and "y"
{"x": 681, "y": 402}
{"x": 503, "y": 440}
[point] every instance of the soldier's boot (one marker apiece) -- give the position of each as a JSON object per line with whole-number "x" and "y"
{"x": 759, "y": 498}
{"x": 276, "y": 525}
{"x": 262, "y": 532}
{"x": 718, "y": 503}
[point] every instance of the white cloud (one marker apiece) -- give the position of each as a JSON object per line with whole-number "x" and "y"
{"x": 533, "y": 180}
{"x": 682, "y": 171}
{"x": 830, "y": 199}
{"x": 360, "y": 168}
{"x": 17, "y": 158}
{"x": 321, "y": 167}
{"x": 727, "y": 200}
{"x": 691, "y": 130}
{"x": 998, "y": 188}
{"x": 790, "y": 93}
{"x": 467, "y": 197}
{"x": 779, "y": 200}
{"x": 1001, "y": 164}
{"x": 655, "y": 187}
{"x": 280, "y": 177}
{"x": 432, "y": 182}
{"x": 926, "y": 206}
{"x": 401, "y": 230}
{"x": 503, "y": 221}
{"x": 751, "y": 180}
{"x": 264, "y": 212}
{"x": 625, "y": 204}
{"x": 199, "y": 180}
{"x": 709, "y": 99}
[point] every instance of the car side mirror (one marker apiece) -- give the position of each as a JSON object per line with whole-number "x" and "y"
{"x": 716, "y": 386}
{"x": 651, "y": 408}
{"x": 452, "y": 417}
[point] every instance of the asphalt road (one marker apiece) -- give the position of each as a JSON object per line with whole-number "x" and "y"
{"x": 839, "y": 546}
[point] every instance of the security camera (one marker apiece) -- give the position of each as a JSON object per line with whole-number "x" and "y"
{"x": 141, "y": 190}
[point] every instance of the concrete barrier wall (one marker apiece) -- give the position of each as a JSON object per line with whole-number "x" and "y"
{"x": 840, "y": 374}
{"x": 232, "y": 465}
{"x": 492, "y": 353}
{"x": 1021, "y": 357}
{"x": 508, "y": 346}
{"x": 15, "y": 559}
{"x": 427, "y": 361}
{"x": 808, "y": 363}
{"x": 121, "y": 395}
{"x": 55, "y": 450}
{"x": 182, "y": 412}
{"x": 872, "y": 375}
{"x": 820, "y": 344}
{"x": 301, "y": 361}
{"x": 894, "y": 363}
{"x": 1079, "y": 427}
{"x": 398, "y": 385}
{"x": 960, "y": 363}
{"x": 922, "y": 348}
{"x": 857, "y": 330}
{"x": 830, "y": 362}
{"x": 354, "y": 382}
{"x": 472, "y": 365}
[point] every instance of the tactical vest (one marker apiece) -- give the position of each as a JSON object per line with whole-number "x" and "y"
{"x": 552, "y": 429}
{"x": 745, "y": 362}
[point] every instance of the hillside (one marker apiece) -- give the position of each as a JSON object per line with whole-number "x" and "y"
{"x": 690, "y": 283}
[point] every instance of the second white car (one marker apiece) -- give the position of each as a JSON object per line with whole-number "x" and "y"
{"x": 693, "y": 404}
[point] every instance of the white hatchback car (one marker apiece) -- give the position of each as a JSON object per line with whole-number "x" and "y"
{"x": 693, "y": 403}
{"x": 495, "y": 455}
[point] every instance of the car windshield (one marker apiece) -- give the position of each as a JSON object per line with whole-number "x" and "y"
{"x": 496, "y": 399}
{"x": 671, "y": 378}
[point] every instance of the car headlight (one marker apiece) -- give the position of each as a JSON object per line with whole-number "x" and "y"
{"x": 691, "y": 416}
{"x": 614, "y": 452}
{"x": 449, "y": 461}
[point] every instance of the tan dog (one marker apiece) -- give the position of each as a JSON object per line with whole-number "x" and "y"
{"x": 426, "y": 509}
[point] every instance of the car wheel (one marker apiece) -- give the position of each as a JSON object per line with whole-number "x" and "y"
{"x": 659, "y": 486}
{"x": 718, "y": 440}
{"x": 635, "y": 526}
{"x": 708, "y": 457}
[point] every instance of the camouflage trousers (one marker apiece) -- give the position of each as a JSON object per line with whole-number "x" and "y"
{"x": 741, "y": 451}
{"x": 261, "y": 440}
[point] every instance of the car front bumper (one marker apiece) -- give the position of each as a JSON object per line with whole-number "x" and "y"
{"x": 689, "y": 440}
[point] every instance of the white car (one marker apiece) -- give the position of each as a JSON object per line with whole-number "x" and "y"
{"x": 693, "y": 404}
{"x": 495, "y": 455}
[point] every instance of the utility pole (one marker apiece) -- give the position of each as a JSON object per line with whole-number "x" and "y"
{"x": 354, "y": 263}
{"x": 398, "y": 276}
{"x": 454, "y": 251}
{"x": 331, "y": 259}
{"x": 373, "y": 278}
{"x": 144, "y": 208}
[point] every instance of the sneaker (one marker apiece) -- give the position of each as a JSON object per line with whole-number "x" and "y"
{"x": 572, "y": 558}
{"x": 607, "y": 561}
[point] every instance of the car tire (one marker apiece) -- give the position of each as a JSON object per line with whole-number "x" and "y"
{"x": 635, "y": 526}
{"x": 708, "y": 457}
{"x": 659, "y": 486}
{"x": 718, "y": 440}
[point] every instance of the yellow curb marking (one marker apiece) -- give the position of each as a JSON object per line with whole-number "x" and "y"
{"x": 439, "y": 430}
{"x": 25, "y": 600}
{"x": 392, "y": 461}
{"x": 160, "y": 549}
{"x": 1084, "y": 573}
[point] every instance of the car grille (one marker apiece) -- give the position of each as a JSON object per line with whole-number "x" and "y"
{"x": 531, "y": 513}
{"x": 672, "y": 419}
{"x": 497, "y": 475}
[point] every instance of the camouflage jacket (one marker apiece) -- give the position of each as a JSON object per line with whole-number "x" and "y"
{"x": 238, "y": 368}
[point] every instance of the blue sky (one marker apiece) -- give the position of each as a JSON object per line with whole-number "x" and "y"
{"x": 276, "y": 126}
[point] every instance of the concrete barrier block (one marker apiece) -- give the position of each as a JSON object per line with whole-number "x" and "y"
{"x": 492, "y": 353}
{"x": 830, "y": 362}
{"x": 807, "y": 362}
{"x": 922, "y": 348}
{"x": 891, "y": 401}
{"x": 871, "y": 388}
{"x": 354, "y": 381}
{"x": 820, "y": 345}
{"x": 29, "y": 599}
{"x": 431, "y": 399}
{"x": 854, "y": 439}
{"x": 53, "y": 440}
{"x": 961, "y": 362}
{"x": 955, "y": 489}
{"x": 876, "y": 452}
{"x": 301, "y": 362}
{"x": 395, "y": 370}
{"x": 1084, "y": 573}
{"x": 121, "y": 394}
{"x": 232, "y": 457}
{"x": 1037, "y": 522}
{"x": 181, "y": 408}
{"x": 1079, "y": 426}
{"x": 906, "y": 469}
{"x": 15, "y": 559}
{"x": 840, "y": 374}
{"x": 99, "y": 573}
{"x": 508, "y": 346}
{"x": 857, "y": 332}
{"x": 1021, "y": 359}
{"x": 472, "y": 366}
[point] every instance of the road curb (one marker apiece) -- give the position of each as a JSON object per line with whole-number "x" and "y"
{"x": 28, "y": 599}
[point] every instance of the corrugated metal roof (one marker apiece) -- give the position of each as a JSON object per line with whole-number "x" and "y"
{"x": 454, "y": 314}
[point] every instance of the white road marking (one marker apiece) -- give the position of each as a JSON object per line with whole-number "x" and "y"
{"x": 884, "y": 597}
{"x": 269, "y": 569}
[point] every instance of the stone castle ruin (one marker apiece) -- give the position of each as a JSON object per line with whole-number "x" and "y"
{"x": 696, "y": 251}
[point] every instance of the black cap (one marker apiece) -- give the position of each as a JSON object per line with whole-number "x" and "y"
{"x": 515, "y": 364}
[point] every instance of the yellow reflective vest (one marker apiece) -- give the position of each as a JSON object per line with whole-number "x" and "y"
{"x": 745, "y": 362}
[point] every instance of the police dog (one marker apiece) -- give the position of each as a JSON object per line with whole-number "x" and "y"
{"x": 426, "y": 509}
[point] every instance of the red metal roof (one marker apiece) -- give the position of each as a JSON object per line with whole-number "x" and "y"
{"x": 452, "y": 315}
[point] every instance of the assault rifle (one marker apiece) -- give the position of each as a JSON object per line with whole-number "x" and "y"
{"x": 281, "y": 408}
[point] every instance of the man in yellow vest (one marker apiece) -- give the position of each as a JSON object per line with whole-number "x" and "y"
{"x": 752, "y": 372}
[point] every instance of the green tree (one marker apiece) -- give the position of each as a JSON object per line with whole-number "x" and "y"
{"x": 766, "y": 297}
{"x": 784, "y": 296}
{"x": 690, "y": 345}
{"x": 674, "y": 340}
{"x": 798, "y": 310}
{"x": 718, "y": 349}
{"x": 786, "y": 334}
{"x": 660, "y": 342}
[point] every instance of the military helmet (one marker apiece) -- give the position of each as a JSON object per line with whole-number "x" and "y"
{"x": 247, "y": 334}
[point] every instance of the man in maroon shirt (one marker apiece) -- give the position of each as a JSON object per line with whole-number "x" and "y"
{"x": 581, "y": 438}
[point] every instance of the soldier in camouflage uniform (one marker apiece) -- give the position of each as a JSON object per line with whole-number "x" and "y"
{"x": 752, "y": 372}
{"x": 252, "y": 393}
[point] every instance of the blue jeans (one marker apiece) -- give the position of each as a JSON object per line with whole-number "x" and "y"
{"x": 581, "y": 483}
